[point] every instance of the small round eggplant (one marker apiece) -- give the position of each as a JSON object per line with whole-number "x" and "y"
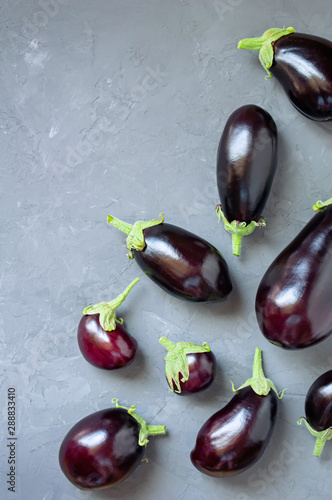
{"x": 293, "y": 301}
{"x": 102, "y": 339}
{"x": 302, "y": 65}
{"x": 246, "y": 165}
{"x": 235, "y": 437}
{"x": 318, "y": 411}
{"x": 194, "y": 363}
{"x": 183, "y": 264}
{"x": 104, "y": 448}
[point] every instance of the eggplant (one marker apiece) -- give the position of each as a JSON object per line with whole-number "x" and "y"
{"x": 101, "y": 337}
{"x": 318, "y": 411}
{"x": 302, "y": 65}
{"x": 246, "y": 165}
{"x": 293, "y": 300}
{"x": 104, "y": 448}
{"x": 194, "y": 363}
{"x": 235, "y": 437}
{"x": 181, "y": 263}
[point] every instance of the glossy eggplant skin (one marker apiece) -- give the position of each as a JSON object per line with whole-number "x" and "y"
{"x": 318, "y": 403}
{"x": 102, "y": 449}
{"x": 302, "y": 64}
{"x": 235, "y": 437}
{"x": 246, "y": 163}
{"x": 108, "y": 350}
{"x": 183, "y": 264}
{"x": 293, "y": 301}
{"x": 201, "y": 373}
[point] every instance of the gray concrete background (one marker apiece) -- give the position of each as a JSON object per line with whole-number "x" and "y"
{"x": 117, "y": 107}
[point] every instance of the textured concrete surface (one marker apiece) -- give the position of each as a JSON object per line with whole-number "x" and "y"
{"x": 117, "y": 107}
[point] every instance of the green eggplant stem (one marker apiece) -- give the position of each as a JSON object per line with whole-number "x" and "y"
{"x": 107, "y": 310}
{"x": 135, "y": 237}
{"x": 264, "y": 44}
{"x": 145, "y": 430}
{"x": 238, "y": 229}
{"x": 259, "y": 383}
{"x": 319, "y": 205}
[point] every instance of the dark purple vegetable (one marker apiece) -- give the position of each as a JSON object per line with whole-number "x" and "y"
{"x": 293, "y": 301}
{"x": 104, "y": 448}
{"x": 246, "y": 164}
{"x": 302, "y": 64}
{"x": 101, "y": 337}
{"x": 235, "y": 437}
{"x": 183, "y": 264}
{"x": 318, "y": 411}
{"x": 195, "y": 365}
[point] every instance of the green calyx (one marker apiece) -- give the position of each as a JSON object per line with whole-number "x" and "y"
{"x": 320, "y": 205}
{"x": 145, "y": 430}
{"x": 177, "y": 362}
{"x": 135, "y": 237}
{"x": 259, "y": 383}
{"x": 264, "y": 44}
{"x": 321, "y": 436}
{"x": 238, "y": 229}
{"x": 106, "y": 310}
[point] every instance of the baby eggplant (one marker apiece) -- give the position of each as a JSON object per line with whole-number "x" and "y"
{"x": 293, "y": 301}
{"x": 246, "y": 164}
{"x": 102, "y": 339}
{"x": 194, "y": 363}
{"x": 302, "y": 64}
{"x": 104, "y": 448}
{"x": 235, "y": 437}
{"x": 183, "y": 264}
{"x": 318, "y": 411}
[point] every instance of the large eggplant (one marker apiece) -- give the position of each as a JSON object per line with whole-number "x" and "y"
{"x": 318, "y": 411}
{"x": 246, "y": 164}
{"x": 235, "y": 437}
{"x": 302, "y": 64}
{"x": 293, "y": 302}
{"x": 183, "y": 264}
{"x": 104, "y": 448}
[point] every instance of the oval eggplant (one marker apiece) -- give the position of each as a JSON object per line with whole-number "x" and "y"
{"x": 102, "y": 339}
{"x": 104, "y": 448}
{"x": 235, "y": 437}
{"x": 183, "y": 264}
{"x": 318, "y": 402}
{"x": 194, "y": 363}
{"x": 293, "y": 298}
{"x": 318, "y": 411}
{"x": 246, "y": 165}
{"x": 302, "y": 65}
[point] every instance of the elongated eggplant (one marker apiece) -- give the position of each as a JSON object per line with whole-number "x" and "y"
{"x": 235, "y": 437}
{"x": 318, "y": 411}
{"x": 104, "y": 448}
{"x": 246, "y": 164}
{"x": 101, "y": 337}
{"x": 293, "y": 301}
{"x": 183, "y": 264}
{"x": 302, "y": 64}
{"x": 189, "y": 367}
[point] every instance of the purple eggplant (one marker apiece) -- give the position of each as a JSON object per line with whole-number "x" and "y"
{"x": 195, "y": 365}
{"x": 183, "y": 264}
{"x": 104, "y": 448}
{"x": 235, "y": 437}
{"x": 318, "y": 411}
{"x": 302, "y": 64}
{"x": 293, "y": 301}
{"x": 246, "y": 165}
{"x": 102, "y": 339}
